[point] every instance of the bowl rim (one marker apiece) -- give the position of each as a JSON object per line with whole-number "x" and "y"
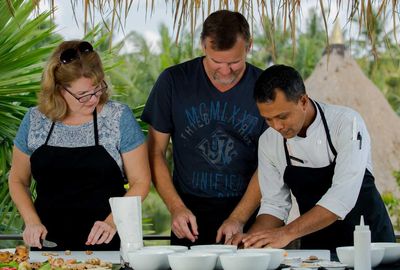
{"x": 245, "y": 254}
{"x": 192, "y": 254}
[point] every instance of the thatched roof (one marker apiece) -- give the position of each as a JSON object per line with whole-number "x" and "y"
{"x": 338, "y": 79}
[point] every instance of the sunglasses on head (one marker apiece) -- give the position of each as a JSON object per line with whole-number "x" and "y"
{"x": 72, "y": 54}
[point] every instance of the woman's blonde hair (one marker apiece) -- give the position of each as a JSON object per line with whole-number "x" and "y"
{"x": 57, "y": 74}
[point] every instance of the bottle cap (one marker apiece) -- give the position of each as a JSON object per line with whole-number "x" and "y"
{"x": 362, "y": 226}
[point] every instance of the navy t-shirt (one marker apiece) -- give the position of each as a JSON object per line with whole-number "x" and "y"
{"x": 214, "y": 134}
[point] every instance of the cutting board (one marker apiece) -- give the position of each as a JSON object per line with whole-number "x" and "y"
{"x": 108, "y": 256}
{"x": 306, "y": 253}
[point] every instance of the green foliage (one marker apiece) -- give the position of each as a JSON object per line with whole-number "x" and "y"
{"x": 383, "y": 65}
{"x": 393, "y": 203}
{"x": 278, "y": 48}
{"x": 24, "y": 45}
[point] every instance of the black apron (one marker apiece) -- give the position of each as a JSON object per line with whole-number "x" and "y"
{"x": 210, "y": 214}
{"x": 73, "y": 188}
{"x": 308, "y": 185}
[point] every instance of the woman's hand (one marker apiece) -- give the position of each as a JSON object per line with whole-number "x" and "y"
{"x": 102, "y": 232}
{"x": 33, "y": 233}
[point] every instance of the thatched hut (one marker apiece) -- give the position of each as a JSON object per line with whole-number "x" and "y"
{"x": 337, "y": 79}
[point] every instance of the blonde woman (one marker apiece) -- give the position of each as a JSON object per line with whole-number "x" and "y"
{"x": 80, "y": 148}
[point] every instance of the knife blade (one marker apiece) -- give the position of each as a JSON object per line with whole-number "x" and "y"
{"x": 47, "y": 243}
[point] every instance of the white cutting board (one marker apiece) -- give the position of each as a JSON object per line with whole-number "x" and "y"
{"x": 306, "y": 253}
{"x": 108, "y": 256}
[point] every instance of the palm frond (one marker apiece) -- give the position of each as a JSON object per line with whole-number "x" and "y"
{"x": 187, "y": 12}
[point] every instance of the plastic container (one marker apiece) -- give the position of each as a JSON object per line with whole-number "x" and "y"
{"x": 362, "y": 246}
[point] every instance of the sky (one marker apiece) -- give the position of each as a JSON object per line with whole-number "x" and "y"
{"x": 148, "y": 25}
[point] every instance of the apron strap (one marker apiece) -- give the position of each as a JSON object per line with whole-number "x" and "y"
{"x": 328, "y": 136}
{"x": 96, "y": 134}
{"x": 48, "y": 135}
{"x": 288, "y": 162}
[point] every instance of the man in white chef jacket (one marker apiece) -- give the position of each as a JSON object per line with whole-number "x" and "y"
{"x": 322, "y": 154}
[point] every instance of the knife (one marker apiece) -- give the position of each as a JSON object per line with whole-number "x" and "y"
{"x": 47, "y": 243}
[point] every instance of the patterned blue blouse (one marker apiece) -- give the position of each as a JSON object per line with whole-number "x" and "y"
{"x": 118, "y": 130}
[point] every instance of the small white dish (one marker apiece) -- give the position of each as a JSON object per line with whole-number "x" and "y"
{"x": 149, "y": 259}
{"x": 245, "y": 261}
{"x": 192, "y": 261}
{"x": 392, "y": 251}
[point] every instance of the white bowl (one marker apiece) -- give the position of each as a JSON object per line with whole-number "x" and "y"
{"x": 277, "y": 255}
{"x": 149, "y": 259}
{"x": 192, "y": 261}
{"x": 392, "y": 251}
{"x": 231, "y": 247}
{"x": 217, "y": 251}
{"x": 245, "y": 261}
{"x": 175, "y": 248}
{"x": 346, "y": 255}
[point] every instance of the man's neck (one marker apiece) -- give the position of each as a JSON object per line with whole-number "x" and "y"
{"x": 311, "y": 113}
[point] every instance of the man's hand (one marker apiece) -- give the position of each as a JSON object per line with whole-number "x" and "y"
{"x": 230, "y": 227}
{"x": 101, "y": 232}
{"x": 33, "y": 233}
{"x": 184, "y": 224}
{"x": 275, "y": 238}
{"x": 237, "y": 240}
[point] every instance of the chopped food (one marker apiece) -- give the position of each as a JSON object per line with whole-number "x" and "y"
{"x": 313, "y": 258}
{"x": 49, "y": 254}
{"x": 5, "y": 256}
{"x": 21, "y": 254}
{"x": 285, "y": 254}
{"x": 19, "y": 261}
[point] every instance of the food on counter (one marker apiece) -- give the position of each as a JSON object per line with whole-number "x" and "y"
{"x": 49, "y": 254}
{"x": 313, "y": 258}
{"x": 6, "y": 256}
{"x": 19, "y": 261}
{"x": 21, "y": 254}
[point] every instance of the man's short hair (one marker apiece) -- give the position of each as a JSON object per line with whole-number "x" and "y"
{"x": 279, "y": 77}
{"x": 223, "y": 28}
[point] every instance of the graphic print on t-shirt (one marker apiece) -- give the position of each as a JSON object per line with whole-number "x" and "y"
{"x": 218, "y": 149}
{"x": 218, "y": 131}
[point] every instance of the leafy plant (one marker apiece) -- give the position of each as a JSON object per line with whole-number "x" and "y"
{"x": 22, "y": 57}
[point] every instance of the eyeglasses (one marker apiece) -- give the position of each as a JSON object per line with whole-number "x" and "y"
{"x": 72, "y": 54}
{"x": 86, "y": 98}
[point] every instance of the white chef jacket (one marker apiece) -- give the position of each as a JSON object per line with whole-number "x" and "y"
{"x": 314, "y": 150}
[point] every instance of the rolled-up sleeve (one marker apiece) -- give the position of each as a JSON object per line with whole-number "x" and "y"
{"x": 351, "y": 163}
{"x": 276, "y": 200}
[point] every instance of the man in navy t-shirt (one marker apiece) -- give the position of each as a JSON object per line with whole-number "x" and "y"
{"x": 206, "y": 106}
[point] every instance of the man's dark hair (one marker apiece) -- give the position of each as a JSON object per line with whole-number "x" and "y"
{"x": 279, "y": 77}
{"x": 223, "y": 28}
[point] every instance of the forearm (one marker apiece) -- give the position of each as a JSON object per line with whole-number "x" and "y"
{"x": 138, "y": 188}
{"x": 249, "y": 202}
{"x": 162, "y": 181}
{"x": 21, "y": 196}
{"x": 315, "y": 219}
{"x": 265, "y": 222}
